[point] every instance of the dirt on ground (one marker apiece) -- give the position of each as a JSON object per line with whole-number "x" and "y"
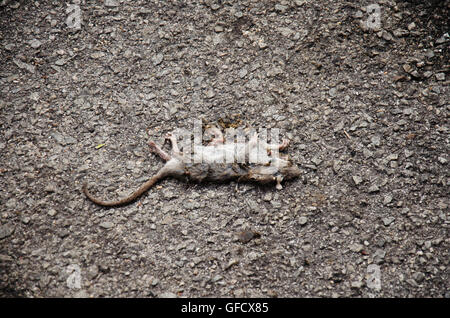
{"x": 361, "y": 88}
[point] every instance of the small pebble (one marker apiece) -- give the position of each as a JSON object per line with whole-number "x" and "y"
{"x": 35, "y": 43}
{"x": 246, "y": 236}
{"x": 376, "y": 140}
{"x": 5, "y": 231}
{"x": 357, "y": 180}
{"x": 378, "y": 256}
{"x": 356, "y": 285}
{"x": 302, "y": 220}
{"x": 440, "y": 76}
{"x": 374, "y": 188}
{"x": 387, "y": 199}
{"x": 356, "y": 247}
{"x": 388, "y": 220}
{"x": 111, "y": 3}
{"x": 26, "y": 220}
{"x": 418, "y": 277}
{"x": 106, "y": 225}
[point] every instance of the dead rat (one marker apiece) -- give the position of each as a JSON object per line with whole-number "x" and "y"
{"x": 212, "y": 164}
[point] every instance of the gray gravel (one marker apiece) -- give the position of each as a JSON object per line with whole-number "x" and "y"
{"x": 366, "y": 110}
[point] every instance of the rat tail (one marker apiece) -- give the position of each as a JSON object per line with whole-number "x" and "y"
{"x": 144, "y": 188}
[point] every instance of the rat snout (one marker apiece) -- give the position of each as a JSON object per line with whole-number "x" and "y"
{"x": 291, "y": 172}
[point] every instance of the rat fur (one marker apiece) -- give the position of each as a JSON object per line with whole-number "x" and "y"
{"x": 271, "y": 167}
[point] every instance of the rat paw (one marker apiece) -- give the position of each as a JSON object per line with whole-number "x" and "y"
{"x": 284, "y": 144}
{"x": 152, "y": 145}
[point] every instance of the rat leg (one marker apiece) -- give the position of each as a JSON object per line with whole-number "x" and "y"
{"x": 278, "y": 185}
{"x": 156, "y": 149}
{"x": 218, "y": 136}
{"x": 253, "y": 142}
{"x": 280, "y": 147}
{"x": 284, "y": 144}
{"x": 173, "y": 140}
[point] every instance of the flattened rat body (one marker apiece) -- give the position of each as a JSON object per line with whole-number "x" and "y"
{"x": 270, "y": 169}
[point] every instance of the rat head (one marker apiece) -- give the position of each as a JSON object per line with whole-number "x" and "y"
{"x": 275, "y": 172}
{"x": 290, "y": 171}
